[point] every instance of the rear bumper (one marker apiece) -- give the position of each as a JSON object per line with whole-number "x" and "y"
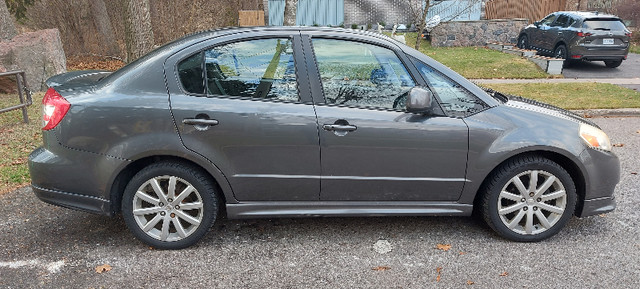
{"x": 598, "y": 53}
{"x": 79, "y": 202}
{"x": 597, "y": 206}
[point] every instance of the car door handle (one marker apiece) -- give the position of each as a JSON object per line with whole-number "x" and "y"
{"x": 199, "y": 121}
{"x": 339, "y": 127}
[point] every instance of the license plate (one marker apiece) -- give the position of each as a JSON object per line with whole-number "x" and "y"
{"x": 607, "y": 41}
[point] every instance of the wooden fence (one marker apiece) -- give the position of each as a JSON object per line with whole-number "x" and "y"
{"x": 533, "y": 10}
{"x": 250, "y": 18}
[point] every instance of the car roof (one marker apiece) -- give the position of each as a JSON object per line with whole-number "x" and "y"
{"x": 589, "y": 14}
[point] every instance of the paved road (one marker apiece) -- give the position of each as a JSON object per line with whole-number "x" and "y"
{"x": 630, "y": 68}
{"x": 49, "y": 247}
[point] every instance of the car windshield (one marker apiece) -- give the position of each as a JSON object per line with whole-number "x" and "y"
{"x": 604, "y": 24}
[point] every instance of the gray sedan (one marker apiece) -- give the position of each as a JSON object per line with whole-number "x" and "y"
{"x": 299, "y": 122}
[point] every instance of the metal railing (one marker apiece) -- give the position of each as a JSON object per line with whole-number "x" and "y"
{"x": 23, "y": 92}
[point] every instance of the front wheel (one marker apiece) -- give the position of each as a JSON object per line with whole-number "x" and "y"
{"x": 613, "y": 63}
{"x": 523, "y": 42}
{"x": 528, "y": 199}
{"x": 169, "y": 205}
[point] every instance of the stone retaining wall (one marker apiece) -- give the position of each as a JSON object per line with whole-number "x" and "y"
{"x": 476, "y": 33}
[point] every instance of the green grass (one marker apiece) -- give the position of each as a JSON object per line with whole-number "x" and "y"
{"x": 574, "y": 95}
{"x": 17, "y": 140}
{"x": 480, "y": 62}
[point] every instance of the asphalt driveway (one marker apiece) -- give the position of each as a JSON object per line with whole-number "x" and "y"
{"x": 50, "y": 247}
{"x": 629, "y": 68}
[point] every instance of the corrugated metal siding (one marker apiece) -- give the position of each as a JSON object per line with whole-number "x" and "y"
{"x": 456, "y": 10}
{"x": 310, "y": 12}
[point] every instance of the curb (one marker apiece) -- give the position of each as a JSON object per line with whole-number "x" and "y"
{"x": 621, "y": 112}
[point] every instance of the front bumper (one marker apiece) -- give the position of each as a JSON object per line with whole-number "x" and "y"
{"x": 602, "y": 176}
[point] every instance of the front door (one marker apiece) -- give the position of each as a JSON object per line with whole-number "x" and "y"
{"x": 371, "y": 148}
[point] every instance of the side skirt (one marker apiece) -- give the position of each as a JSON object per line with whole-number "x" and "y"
{"x": 344, "y": 209}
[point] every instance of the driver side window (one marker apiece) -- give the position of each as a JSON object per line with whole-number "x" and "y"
{"x": 548, "y": 20}
{"x": 361, "y": 75}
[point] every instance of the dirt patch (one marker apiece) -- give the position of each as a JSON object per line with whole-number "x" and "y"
{"x": 93, "y": 62}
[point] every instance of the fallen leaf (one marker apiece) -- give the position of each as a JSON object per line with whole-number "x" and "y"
{"x": 602, "y": 215}
{"x": 638, "y": 131}
{"x": 634, "y": 173}
{"x": 103, "y": 268}
{"x": 462, "y": 253}
{"x": 443, "y": 247}
{"x": 469, "y": 282}
{"x": 381, "y": 268}
{"x": 618, "y": 145}
{"x": 504, "y": 274}
{"x": 439, "y": 269}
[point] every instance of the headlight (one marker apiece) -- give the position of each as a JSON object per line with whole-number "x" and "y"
{"x": 595, "y": 137}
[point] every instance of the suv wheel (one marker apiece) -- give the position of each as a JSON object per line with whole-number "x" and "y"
{"x": 528, "y": 199}
{"x": 169, "y": 205}
{"x": 613, "y": 63}
{"x": 560, "y": 52}
{"x": 523, "y": 42}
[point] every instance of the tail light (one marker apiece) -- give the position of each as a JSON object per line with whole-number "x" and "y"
{"x": 582, "y": 34}
{"x": 54, "y": 108}
{"x": 628, "y": 34}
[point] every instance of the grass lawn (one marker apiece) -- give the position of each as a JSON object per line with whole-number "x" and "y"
{"x": 480, "y": 62}
{"x": 574, "y": 95}
{"x": 17, "y": 140}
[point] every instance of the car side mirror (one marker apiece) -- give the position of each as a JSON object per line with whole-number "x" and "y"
{"x": 537, "y": 23}
{"x": 419, "y": 100}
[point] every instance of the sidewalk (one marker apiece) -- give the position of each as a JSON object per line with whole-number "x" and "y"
{"x": 617, "y": 81}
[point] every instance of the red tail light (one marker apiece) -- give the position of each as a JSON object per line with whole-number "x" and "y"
{"x": 582, "y": 34}
{"x": 628, "y": 34}
{"x": 54, "y": 108}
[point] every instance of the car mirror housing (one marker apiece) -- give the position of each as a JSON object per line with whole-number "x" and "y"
{"x": 537, "y": 23}
{"x": 419, "y": 100}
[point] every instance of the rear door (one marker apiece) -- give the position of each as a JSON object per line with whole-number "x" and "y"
{"x": 239, "y": 102}
{"x": 372, "y": 149}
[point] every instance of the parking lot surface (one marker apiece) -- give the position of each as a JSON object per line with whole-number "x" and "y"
{"x": 44, "y": 246}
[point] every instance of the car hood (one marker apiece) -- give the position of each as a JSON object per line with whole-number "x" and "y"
{"x": 537, "y": 106}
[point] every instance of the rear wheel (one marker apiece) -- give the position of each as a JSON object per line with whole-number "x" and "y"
{"x": 523, "y": 42}
{"x": 528, "y": 199}
{"x": 169, "y": 205}
{"x": 613, "y": 63}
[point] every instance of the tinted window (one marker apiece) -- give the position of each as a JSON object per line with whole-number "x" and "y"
{"x": 548, "y": 20}
{"x": 359, "y": 74}
{"x": 563, "y": 21}
{"x": 604, "y": 24}
{"x": 191, "y": 74}
{"x": 455, "y": 100}
{"x": 261, "y": 68}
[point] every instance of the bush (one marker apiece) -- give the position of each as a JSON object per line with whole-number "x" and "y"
{"x": 354, "y": 26}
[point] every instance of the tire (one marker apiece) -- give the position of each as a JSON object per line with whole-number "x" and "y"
{"x": 523, "y": 42}
{"x": 613, "y": 63}
{"x": 515, "y": 210}
{"x": 561, "y": 52}
{"x": 170, "y": 205}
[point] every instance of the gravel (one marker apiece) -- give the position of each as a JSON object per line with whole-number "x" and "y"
{"x": 44, "y": 246}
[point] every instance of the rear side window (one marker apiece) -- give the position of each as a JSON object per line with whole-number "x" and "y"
{"x": 261, "y": 68}
{"x": 604, "y": 24}
{"x": 191, "y": 74}
{"x": 455, "y": 99}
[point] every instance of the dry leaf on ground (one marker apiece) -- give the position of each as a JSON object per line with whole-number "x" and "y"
{"x": 381, "y": 268}
{"x": 618, "y": 145}
{"x": 504, "y": 274}
{"x": 469, "y": 282}
{"x": 462, "y": 253}
{"x": 439, "y": 269}
{"x": 103, "y": 268}
{"x": 443, "y": 247}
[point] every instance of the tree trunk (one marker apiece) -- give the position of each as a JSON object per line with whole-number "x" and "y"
{"x": 103, "y": 25}
{"x": 7, "y": 27}
{"x": 290, "y": 9}
{"x": 421, "y": 22}
{"x": 138, "y": 31}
